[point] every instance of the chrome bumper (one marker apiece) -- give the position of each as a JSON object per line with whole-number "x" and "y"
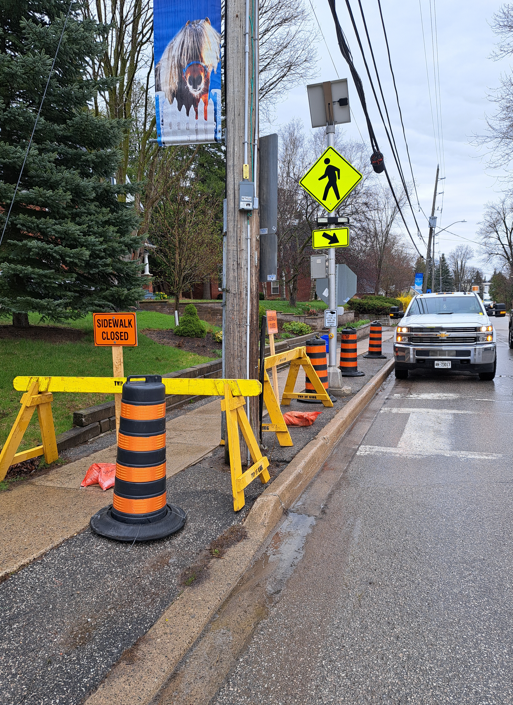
{"x": 481, "y": 354}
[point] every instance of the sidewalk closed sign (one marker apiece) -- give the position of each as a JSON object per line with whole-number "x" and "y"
{"x": 115, "y": 329}
{"x": 272, "y": 323}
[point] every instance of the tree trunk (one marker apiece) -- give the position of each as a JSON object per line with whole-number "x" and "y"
{"x": 206, "y": 289}
{"x": 20, "y": 320}
{"x": 177, "y": 301}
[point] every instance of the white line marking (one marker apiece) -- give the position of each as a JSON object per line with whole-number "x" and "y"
{"x": 432, "y": 395}
{"x": 419, "y": 453}
{"x": 415, "y": 410}
{"x": 427, "y": 432}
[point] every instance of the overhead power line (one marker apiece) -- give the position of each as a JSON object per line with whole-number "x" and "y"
{"x": 388, "y": 131}
{"x": 346, "y": 53}
{"x": 398, "y": 103}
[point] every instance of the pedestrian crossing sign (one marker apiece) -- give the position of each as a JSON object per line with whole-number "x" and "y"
{"x": 331, "y": 179}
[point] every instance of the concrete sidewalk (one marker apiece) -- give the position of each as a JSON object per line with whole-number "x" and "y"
{"x": 42, "y": 513}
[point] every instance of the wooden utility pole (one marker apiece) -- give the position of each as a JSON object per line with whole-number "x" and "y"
{"x": 242, "y": 227}
{"x": 431, "y": 241}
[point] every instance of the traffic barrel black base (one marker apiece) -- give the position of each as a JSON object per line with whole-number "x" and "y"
{"x": 111, "y": 527}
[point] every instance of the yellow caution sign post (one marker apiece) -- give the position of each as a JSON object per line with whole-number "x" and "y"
{"x": 39, "y": 394}
{"x": 330, "y": 179}
{"x": 322, "y": 239}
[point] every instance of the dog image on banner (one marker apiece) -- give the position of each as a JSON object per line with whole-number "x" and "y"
{"x": 187, "y": 73}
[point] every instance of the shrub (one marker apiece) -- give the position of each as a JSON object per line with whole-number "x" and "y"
{"x": 373, "y": 305}
{"x": 261, "y": 296}
{"x": 218, "y": 337}
{"x": 160, "y": 296}
{"x": 190, "y": 325}
{"x": 297, "y": 328}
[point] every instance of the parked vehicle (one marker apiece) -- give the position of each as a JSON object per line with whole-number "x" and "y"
{"x": 445, "y": 331}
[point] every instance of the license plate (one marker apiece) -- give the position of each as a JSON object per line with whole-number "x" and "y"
{"x": 443, "y": 365}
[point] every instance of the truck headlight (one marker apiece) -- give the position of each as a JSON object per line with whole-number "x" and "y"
{"x": 485, "y": 329}
{"x": 489, "y": 338}
{"x": 403, "y": 330}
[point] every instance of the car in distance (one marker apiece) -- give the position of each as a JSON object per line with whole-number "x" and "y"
{"x": 445, "y": 331}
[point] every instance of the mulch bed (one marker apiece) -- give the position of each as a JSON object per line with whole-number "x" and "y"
{"x": 48, "y": 334}
{"x": 206, "y": 346}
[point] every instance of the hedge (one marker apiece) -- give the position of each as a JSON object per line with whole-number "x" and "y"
{"x": 373, "y": 305}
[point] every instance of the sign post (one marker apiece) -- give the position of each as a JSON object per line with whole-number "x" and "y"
{"x": 115, "y": 330}
{"x": 329, "y": 181}
{"x": 272, "y": 330}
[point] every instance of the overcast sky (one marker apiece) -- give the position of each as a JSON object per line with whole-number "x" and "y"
{"x": 467, "y": 74}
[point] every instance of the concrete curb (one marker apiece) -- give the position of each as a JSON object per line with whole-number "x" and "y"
{"x": 143, "y": 670}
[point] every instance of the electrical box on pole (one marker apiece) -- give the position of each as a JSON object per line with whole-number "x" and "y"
{"x": 318, "y": 266}
{"x": 268, "y": 207}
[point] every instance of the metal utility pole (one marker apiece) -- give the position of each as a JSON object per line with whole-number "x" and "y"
{"x": 431, "y": 240}
{"x": 242, "y": 227}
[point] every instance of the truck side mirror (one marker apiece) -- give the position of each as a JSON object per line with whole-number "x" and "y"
{"x": 500, "y": 310}
{"x": 395, "y": 313}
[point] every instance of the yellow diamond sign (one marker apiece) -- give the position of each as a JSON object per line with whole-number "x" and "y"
{"x": 331, "y": 179}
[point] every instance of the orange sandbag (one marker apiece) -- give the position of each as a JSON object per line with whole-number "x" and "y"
{"x": 300, "y": 418}
{"x": 92, "y": 475}
{"x": 107, "y": 475}
{"x": 102, "y": 474}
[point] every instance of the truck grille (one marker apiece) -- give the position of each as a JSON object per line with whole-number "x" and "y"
{"x": 435, "y": 340}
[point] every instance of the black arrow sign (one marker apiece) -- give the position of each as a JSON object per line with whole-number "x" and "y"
{"x": 333, "y": 239}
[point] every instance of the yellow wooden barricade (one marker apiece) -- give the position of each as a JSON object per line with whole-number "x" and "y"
{"x": 39, "y": 394}
{"x": 35, "y": 397}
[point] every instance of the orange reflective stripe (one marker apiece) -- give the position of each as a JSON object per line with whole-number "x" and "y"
{"x": 143, "y": 413}
{"x": 139, "y": 506}
{"x": 156, "y": 472}
{"x": 142, "y": 443}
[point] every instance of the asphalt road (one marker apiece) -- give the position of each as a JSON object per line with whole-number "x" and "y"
{"x": 400, "y": 587}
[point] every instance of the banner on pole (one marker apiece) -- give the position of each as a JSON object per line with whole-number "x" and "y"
{"x": 187, "y": 47}
{"x": 419, "y": 279}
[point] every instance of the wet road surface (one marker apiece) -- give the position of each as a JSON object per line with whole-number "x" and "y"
{"x": 400, "y": 574}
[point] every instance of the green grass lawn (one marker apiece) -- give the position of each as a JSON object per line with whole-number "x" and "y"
{"x": 299, "y": 310}
{"x": 80, "y": 359}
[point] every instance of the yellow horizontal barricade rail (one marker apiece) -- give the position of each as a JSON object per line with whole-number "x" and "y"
{"x": 112, "y": 385}
{"x": 38, "y": 394}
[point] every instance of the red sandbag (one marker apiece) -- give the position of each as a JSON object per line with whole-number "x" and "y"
{"x": 102, "y": 474}
{"x": 300, "y": 418}
{"x": 92, "y": 475}
{"x": 107, "y": 475}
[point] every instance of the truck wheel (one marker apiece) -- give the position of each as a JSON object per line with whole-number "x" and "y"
{"x": 401, "y": 374}
{"x": 488, "y": 376}
{"x": 510, "y": 339}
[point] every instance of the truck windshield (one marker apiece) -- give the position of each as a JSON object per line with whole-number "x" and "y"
{"x": 445, "y": 305}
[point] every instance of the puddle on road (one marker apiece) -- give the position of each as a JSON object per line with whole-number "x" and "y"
{"x": 203, "y": 672}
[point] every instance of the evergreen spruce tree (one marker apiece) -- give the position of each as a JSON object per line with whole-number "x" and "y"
{"x": 66, "y": 249}
{"x": 447, "y": 281}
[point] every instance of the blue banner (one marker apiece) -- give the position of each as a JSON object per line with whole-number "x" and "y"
{"x": 419, "y": 280}
{"x": 187, "y": 48}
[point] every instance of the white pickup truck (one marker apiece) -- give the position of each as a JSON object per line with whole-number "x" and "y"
{"x": 445, "y": 331}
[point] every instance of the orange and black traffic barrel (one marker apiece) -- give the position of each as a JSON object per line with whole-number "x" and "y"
{"x": 316, "y": 351}
{"x": 349, "y": 354}
{"x": 375, "y": 341}
{"x": 139, "y": 510}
